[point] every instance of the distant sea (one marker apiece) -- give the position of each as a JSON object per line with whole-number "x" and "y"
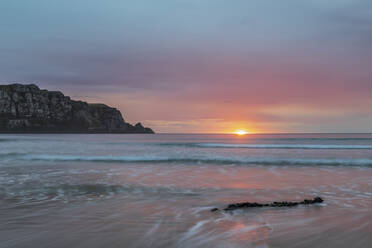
{"x": 134, "y": 190}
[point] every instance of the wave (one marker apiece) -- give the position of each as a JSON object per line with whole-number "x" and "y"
{"x": 12, "y": 155}
{"x": 7, "y": 140}
{"x": 190, "y": 160}
{"x": 65, "y": 191}
{"x": 58, "y": 192}
{"x": 271, "y": 146}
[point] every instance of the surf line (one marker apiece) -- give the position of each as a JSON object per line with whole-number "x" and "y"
{"x": 240, "y": 205}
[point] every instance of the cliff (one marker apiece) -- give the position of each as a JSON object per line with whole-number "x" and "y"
{"x": 26, "y": 108}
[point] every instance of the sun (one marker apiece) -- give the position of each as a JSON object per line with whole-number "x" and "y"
{"x": 241, "y": 132}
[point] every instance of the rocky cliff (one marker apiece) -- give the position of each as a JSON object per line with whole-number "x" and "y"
{"x": 26, "y": 108}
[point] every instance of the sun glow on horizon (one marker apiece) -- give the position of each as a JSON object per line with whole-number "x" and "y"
{"x": 240, "y": 132}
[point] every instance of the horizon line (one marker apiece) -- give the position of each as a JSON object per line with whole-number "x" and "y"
{"x": 275, "y": 133}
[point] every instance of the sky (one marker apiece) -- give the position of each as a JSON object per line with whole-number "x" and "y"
{"x": 196, "y": 66}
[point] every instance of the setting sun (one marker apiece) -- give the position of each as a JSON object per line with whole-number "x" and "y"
{"x": 241, "y": 132}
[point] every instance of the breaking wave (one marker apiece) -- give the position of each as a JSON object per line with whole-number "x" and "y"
{"x": 189, "y": 160}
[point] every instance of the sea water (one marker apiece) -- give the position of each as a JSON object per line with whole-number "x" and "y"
{"x": 72, "y": 190}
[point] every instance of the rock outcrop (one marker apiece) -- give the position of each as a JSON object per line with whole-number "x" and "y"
{"x": 240, "y": 205}
{"x": 26, "y": 108}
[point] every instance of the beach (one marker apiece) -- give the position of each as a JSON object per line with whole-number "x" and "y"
{"x": 137, "y": 190}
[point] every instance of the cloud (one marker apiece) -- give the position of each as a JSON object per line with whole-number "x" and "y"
{"x": 179, "y": 61}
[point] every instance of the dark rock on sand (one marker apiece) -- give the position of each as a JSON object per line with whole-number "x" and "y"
{"x": 273, "y": 204}
{"x": 27, "y": 109}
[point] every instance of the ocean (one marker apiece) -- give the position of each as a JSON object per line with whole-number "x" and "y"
{"x": 112, "y": 190}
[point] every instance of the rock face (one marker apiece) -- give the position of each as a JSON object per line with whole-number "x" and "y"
{"x": 26, "y": 108}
